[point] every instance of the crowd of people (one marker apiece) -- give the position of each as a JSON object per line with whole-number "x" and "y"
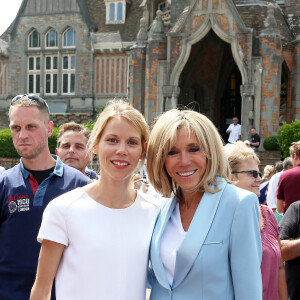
{"x": 172, "y": 209}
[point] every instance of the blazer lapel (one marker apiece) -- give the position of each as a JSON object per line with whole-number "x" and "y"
{"x": 155, "y": 256}
{"x": 198, "y": 230}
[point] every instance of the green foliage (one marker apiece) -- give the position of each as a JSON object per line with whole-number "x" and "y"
{"x": 271, "y": 143}
{"x": 52, "y": 140}
{"x": 7, "y": 148}
{"x": 287, "y": 134}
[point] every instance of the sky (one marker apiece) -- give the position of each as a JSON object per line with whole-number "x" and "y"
{"x": 8, "y": 13}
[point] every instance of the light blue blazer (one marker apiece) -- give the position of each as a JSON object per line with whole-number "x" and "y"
{"x": 220, "y": 256}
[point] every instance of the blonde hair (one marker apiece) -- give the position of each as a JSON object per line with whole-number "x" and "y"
{"x": 268, "y": 170}
{"x": 25, "y": 101}
{"x": 295, "y": 149}
{"x": 163, "y": 137}
{"x": 119, "y": 108}
{"x": 237, "y": 153}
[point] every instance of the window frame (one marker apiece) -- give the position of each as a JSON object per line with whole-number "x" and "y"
{"x": 70, "y": 72}
{"x": 52, "y": 72}
{"x": 46, "y": 39}
{"x": 73, "y": 45}
{"x": 35, "y": 73}
{"x": 119, "y": 18}
{"x": 31, "y": 41}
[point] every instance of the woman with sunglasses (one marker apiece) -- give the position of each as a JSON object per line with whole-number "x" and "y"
{"x": 246, "y": 175}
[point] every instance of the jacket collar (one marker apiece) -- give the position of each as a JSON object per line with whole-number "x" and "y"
{"x": 194, "y": 239}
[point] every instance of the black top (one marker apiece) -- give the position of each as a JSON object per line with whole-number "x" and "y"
{"x": 290, "y": 229}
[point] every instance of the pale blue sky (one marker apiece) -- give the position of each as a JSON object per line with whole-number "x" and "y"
{"x": 8, "y": 13}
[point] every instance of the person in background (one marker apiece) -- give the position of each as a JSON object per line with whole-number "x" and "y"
{"x": 278, "y": 166}
{"x": 288, "y": 190}
{"x": 273, "y": 185}
{"x": 234, "y": 130}
{"x": 255, "y": 139}
{"x": 206, "y": 243}
{"x": 245, "y": 174}
{"x": 95, "y": 240}
{"x": 72, "y": 148}
{"x": 247, "y": 143}
{"x": 25, "y": 191}
{"x": 1, "y": 170}
{"x": 290, "y": 248}
{"x": 269, "y": 171}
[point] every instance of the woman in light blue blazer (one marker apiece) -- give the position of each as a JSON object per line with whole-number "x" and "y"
{"x": 206, "y": 243}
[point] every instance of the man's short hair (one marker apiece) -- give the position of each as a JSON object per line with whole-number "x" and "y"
{"x": 287, "y": 162}
{"x": 278, "y": 166}
{"x": 29, "y": 100}
{"x": 253, "y": 128}
{"x": 72, "y": 126}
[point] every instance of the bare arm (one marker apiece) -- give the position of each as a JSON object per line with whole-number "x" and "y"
{"x": 49, "y": 259}
{"x": 255, "y": 144}
{"x": 282, "y": 286}
{"x": 280, "y": 206}
{"x": 290, "y": 249}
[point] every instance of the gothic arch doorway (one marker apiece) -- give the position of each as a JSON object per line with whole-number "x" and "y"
{"x": 210, "y": 82}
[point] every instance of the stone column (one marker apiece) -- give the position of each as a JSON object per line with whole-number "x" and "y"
{"x": 247, "y": 93}
{"x": 137, "y": 69}
{"x": 296, "y": 83}
{"x": 271, "y": 52}
{"x": 156, "y": 51}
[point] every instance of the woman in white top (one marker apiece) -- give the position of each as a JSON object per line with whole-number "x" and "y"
{"x": 95, "y": 239}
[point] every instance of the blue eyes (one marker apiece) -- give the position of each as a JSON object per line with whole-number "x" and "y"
{"x": 130, "y": 142}
{"x": 192, "y": 149}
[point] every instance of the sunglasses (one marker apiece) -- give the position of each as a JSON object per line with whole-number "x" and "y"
{"x": 29, "y": 96}
{"x": 253, "y": 173}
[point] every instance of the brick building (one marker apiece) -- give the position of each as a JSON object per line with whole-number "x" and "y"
{"x": 220, "y": 57}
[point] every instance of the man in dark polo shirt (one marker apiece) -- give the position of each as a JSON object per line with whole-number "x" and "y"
{"x": 25, "y": 191}
{"x": 290, "y": 248}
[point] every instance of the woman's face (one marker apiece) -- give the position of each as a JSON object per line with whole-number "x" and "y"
{"x": 246, "y": 180}
{"x": 185, "y": 163}
{"x": 119, "y": 149}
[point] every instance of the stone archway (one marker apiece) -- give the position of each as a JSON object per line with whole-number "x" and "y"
{"x": 210, "y": 81}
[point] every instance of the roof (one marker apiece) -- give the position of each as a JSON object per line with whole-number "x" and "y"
{"x": 128, "y": 31}
{"x": 94, "y": 14}
{"x": 254, "y": 14}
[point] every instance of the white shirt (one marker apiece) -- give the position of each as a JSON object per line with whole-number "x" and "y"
{"x": 171, "y": 240}
{"x": 106, "y": 254}
{"x": 2, "y": 170}
{"x": 236, "y": 131}
{"x": 272, "y": 190}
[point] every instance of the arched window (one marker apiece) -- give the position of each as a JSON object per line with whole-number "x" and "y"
{"x": 112, "y": 12}
{"x": 51, "y": 39}
{"x": 34, "y": 39}
{"x": 120, "y": 11}
{"x": 69, "y": 38}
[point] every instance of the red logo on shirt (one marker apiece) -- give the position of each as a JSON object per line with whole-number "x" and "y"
{"x": 16, "y": 197}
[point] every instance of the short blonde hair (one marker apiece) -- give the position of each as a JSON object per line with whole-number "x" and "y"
{"x": 237, "y": 153}
{"x": 295, "y": 149}
{"x": 27, "y": 100}
{"x": 163, "y": 137}
{"x": 119, "y": 108}
{"x": 268, "y": 170}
